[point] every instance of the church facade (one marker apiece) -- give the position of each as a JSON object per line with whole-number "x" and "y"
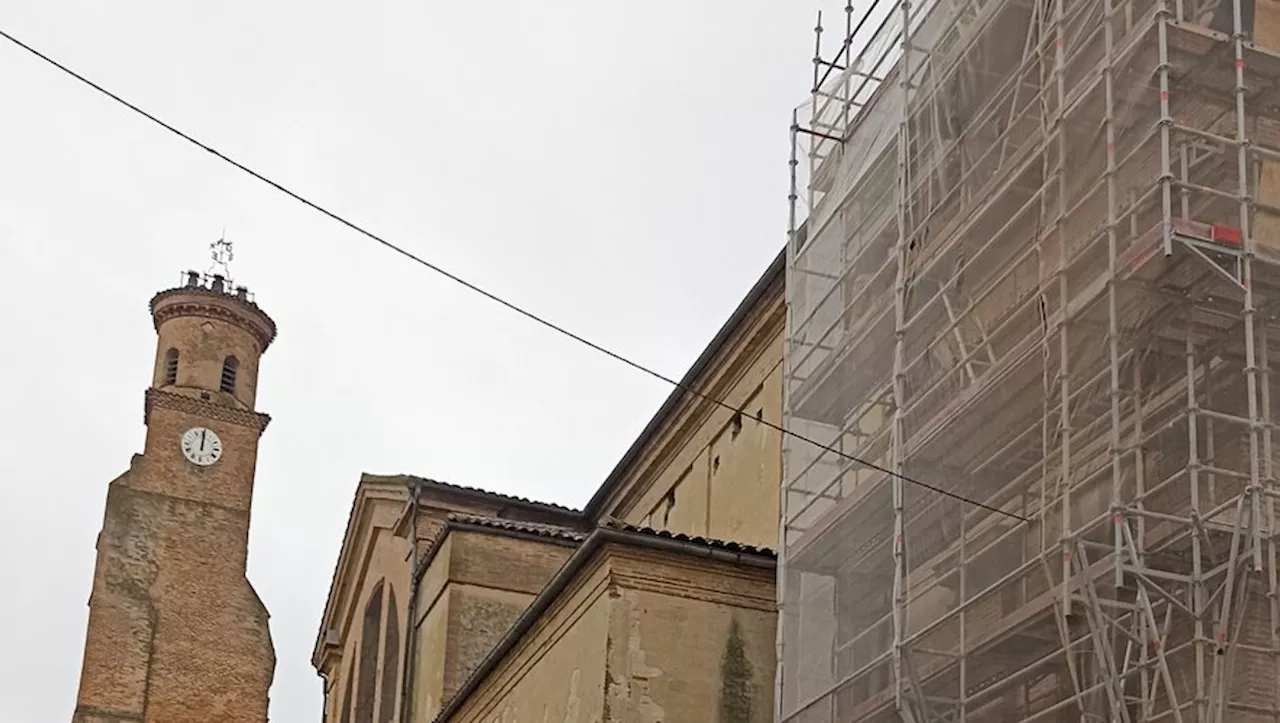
{"x": 176, "y": 633}
{"x": 655, "y": 602}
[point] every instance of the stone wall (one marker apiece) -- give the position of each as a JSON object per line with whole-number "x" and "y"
{"x": 479, "y": 581}
{"x": 640, "y": 636}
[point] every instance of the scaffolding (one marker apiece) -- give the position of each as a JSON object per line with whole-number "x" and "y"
{"x": 1033, "y": 281}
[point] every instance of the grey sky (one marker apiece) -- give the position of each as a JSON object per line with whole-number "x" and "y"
{"x": 617, "y": 167}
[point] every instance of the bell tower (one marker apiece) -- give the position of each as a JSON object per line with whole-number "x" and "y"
{"x": 176, "y": 633}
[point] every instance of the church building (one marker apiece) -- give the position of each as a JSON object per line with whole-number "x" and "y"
{"x": 655, "y": 602}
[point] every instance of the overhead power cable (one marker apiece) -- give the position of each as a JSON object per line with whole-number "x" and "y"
{"x": 490, "y": 295}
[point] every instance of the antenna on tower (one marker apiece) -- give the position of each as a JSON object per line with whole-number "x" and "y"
{"x": 218, "y": 276}
{"x": 222, "y": 253}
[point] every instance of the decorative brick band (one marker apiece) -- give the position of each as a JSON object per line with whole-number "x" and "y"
{"x": 181, "y": 403}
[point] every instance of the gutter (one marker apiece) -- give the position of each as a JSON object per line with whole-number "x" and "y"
{"x": 566, "y": 574}
{"x": 593, "y": 508}
{"x": 324, "y": 708}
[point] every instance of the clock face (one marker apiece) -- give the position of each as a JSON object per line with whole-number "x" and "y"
{"x": 201, "y": 446}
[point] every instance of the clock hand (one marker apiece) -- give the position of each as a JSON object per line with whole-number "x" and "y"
{"x": 202, "y": 434}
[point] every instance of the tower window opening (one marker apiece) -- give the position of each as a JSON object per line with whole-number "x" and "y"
{"x": 229, "y": 374}
{"x": 170, "y": 367}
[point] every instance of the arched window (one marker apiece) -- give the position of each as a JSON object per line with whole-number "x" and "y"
{"x": 390, "y": 660}
{"x": 229, "y": 367}
{"x": 366, "y": 685}
{"x": 170, "y": 367}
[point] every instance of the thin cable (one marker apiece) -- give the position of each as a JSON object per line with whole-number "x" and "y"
{"x": 489, "y": 295}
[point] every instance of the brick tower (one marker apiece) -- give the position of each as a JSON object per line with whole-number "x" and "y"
{"x": 176, "y": 632}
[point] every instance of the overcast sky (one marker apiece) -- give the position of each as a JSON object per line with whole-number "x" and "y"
{"x": 617, "y": 167}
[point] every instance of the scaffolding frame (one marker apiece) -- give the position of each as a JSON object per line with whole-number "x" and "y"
{"x": 1075, "y": 234}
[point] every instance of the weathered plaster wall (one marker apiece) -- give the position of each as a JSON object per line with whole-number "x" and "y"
{"x": 715, "y": 473}
{"x": 493, "y": 578}
{"x": 641, "y": 637}
{"x": 476, "y": 586}
{"x": 690, "y": 641}
{"x": 746, "y": 465}
{"x": 557, "y": 673}
{"x": 431, "y": 636}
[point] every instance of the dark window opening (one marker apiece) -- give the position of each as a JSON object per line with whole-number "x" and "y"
{"x": 229, "y": 374}
{"x": 760, "y": 414}
{"x": 170, "y": 367}
{"x": 671, "y": 503}
{"x": 715, "y": 464}
{"x": 735, "y": 425}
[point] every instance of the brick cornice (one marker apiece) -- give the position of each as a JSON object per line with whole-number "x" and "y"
{"x": 209, "y": 304}
{"x": 672, "y": 588}
{"x": 181, "y": 403}
{"x": 694, "y": 579}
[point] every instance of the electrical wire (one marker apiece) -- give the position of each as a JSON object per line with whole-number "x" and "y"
{"x": 490, "y": 295}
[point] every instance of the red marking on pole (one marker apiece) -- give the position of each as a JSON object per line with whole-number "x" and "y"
{"x": 1240, "y": 64}
{"x": 1164, "y": 95}
{"x": 1111, "y": 149}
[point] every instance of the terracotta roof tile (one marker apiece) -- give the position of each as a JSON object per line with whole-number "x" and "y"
{"x": 409, "y": 479}
{"x": 710, "y": 542}
{"x": 535, "y": 528}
